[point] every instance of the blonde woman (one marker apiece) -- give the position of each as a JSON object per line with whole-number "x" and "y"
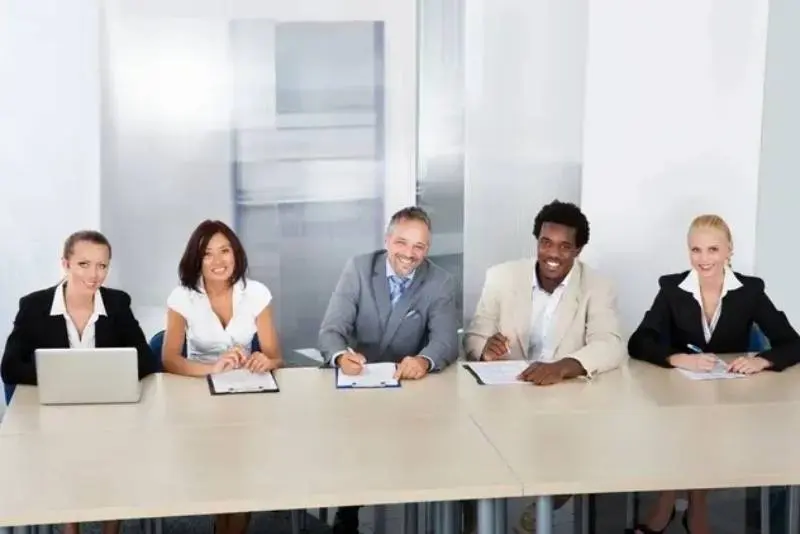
{"x": 702, "y": 312}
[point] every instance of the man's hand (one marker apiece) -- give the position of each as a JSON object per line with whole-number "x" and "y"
{"x": 412, "y": 368}
{"x": 545, "y": 374}
{"x": 497, "y": 348}
{"x": 351, "y": 363}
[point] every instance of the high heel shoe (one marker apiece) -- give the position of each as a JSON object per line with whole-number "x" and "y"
{"x": 644, "y": 529}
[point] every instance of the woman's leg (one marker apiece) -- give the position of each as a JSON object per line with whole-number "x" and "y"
{"x": 72, "y": 528}
{"x": 698, "y": 512}
{"x": 661, "y": 512}
{"x": 110, "y": 527}
{"x": 238, "y": 523}
{"x": 221, "y": 524}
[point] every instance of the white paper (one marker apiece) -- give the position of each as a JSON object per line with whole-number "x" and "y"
{"x": 719, "y": 372}
{"x": 501, "y": 372}
{"x": 243, "y": 381}
{"x": 373, "y": 375}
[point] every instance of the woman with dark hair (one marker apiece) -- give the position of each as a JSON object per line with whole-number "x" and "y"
{"x": 216, "y": 310}
{"x": 77, "y": 313}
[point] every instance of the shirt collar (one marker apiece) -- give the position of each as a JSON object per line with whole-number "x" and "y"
{"x": 59, "y": 306}
{"x": 692, "y": 283}
{"x": 563, "y": 283}
{"x": 390, "y": 272}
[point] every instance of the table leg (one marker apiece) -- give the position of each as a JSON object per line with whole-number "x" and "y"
{"x": 410, "y": 518}
{"x": 380, "y": 519}
{"x": 764, "y": 515}
{"x": 793, "y": 522}
{"x": 544, "y": 514}
{"x": 431, "y": 516}
{"x": 486, "y": 519}
{"x": 501, "y": 516}
{"x": 448, "y": 514}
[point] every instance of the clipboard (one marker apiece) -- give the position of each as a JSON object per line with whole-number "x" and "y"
{"x": 376, "y": 385}
{"x": 266, "y": 388}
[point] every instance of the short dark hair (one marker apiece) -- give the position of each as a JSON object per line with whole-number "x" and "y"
{"x": 190, "y": 268}
{"x": 410, "y": 213}
{"x": 92, "y": 236}
{"x": 567, "y": 214}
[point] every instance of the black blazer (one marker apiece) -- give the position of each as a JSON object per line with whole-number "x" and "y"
{"x": 675, "y": 320}
{"x": 34, "y": 328}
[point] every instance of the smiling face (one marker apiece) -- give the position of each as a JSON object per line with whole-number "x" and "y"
{"x": 86, "y": 267}
{"x": 219, "y": 261}
{"x": 407, "y": 244}
{"x": 709, "y": 251}
{"x": 556, "y": 251}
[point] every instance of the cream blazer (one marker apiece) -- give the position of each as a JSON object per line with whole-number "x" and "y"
{"x": 585, "y": 326}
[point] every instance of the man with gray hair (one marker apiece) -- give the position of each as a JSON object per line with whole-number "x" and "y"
{"x": 393, "y": 305}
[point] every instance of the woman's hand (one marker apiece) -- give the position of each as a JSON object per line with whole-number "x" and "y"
{"x": 749, "y": 365}
{"x": 694, "y": 362}
{"x": 258, "y": 362}
{"x": 229, "y": 360}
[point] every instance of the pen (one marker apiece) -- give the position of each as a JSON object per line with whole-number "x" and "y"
{"x": 693, "y": 348}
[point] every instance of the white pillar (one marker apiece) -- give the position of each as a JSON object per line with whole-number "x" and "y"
{"x": 672, "y": 129}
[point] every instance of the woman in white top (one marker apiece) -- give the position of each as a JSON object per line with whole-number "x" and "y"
{"x": 698, "y": 314}
{"x": 216, "y": 311}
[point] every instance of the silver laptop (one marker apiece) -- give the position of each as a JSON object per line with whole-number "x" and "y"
{"x": 88, "y": 376}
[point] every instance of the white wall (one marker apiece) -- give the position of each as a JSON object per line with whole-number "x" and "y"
{"x": 778, "y": 188}
{"x": 524, "y": 65}
{"x": 49, "y": 139}
{"x": 672, "y": 129}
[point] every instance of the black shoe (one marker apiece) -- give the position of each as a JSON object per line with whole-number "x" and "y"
{"x": 644, "y": 529}
{"x": 346, "y": 520}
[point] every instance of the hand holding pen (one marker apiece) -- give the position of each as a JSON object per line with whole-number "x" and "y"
{"x": 498, "y": 347}
{"x": 703, "y": 361}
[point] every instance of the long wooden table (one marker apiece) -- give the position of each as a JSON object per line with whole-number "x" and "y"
{"x": 181, "y": 451}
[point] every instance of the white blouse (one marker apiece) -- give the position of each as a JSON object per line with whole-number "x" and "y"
{"x": 206, "y": 338}
{"x": 692, "y": 284}
{"x": 76, "y": 340}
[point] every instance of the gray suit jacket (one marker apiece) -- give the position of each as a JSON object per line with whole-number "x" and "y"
{"x": 360, "y": 314}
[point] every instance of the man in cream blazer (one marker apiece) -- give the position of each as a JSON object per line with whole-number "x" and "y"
{"x": 552, "y": 310}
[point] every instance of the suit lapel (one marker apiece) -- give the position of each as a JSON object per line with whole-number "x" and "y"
{"x": 380, "y": 289}
{"x": 692, "y": 313}
{"x": 398, "y": 313}
{"x": 103, "y": 333}
{"x": 522, "y": 289}
{"x": 58, "y": 330}
{"x": 566, "y": 309}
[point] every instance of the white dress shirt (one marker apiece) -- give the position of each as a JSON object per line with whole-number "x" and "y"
{"x": 76, "y": 340}
{"x": 543, "y": 310}
{"x": 206, "y": 338}
{"x": 692, "y": 284}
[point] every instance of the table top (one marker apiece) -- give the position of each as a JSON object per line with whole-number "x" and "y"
{"x": 182, "y": 451}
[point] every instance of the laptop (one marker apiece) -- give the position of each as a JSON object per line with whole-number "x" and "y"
{"x": 88, "y": 376}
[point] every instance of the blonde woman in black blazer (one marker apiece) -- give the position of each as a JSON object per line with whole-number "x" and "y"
{"x": 78, "y": 312}
{"x": 702, "y": 312}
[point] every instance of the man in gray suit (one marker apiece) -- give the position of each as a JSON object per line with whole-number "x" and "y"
{"x": 393, "y": 305}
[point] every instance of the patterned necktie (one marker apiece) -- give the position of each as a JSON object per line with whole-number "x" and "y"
{"x": 397, "y": 286}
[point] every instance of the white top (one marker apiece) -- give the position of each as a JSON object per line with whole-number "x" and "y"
{"x": 692, "y": 284}
{"x": 543, "y": 309}
{"x": 206, "y": 338}
{"x": 59, "y": 307}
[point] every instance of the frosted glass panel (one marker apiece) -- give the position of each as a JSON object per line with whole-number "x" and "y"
{"x": 307, "y": 157}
